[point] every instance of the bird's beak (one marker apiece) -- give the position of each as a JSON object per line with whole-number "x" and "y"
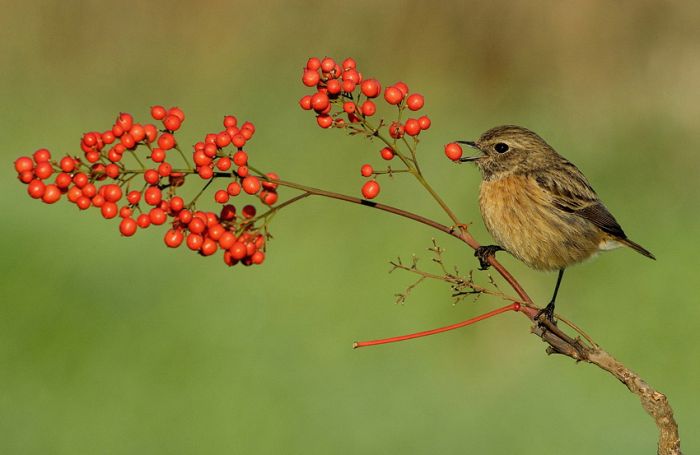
{"x": 473, "y": 145}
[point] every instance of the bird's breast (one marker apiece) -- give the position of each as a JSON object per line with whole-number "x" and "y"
{"x": 521, "y": 217}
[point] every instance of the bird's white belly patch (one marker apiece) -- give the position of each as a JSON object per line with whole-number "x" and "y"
{"x": 609, "y": 245}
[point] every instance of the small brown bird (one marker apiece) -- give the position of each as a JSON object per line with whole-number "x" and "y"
{"x": 538, "y": 206}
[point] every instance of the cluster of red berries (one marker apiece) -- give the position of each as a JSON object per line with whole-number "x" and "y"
{"x": 223, "y": 152}
{"x": 84, "y": 182}
{"x": 342, "y": 86}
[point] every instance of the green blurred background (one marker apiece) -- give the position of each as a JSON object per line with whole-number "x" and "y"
{"x": 112, "y": 345}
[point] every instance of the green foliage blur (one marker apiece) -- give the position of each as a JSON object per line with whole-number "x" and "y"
{"x": 121, "y": 346}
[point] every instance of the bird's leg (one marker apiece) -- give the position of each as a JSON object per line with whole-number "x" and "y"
{"x": 548, "y": 311}
{"x": 483, "y": 252}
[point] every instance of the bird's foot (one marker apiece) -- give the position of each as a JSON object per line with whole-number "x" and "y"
{"x": 547, "y": 312}
{"x": 483, "y": 252}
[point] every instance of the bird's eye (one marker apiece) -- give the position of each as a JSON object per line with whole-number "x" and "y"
{"x": 501, "y": 147}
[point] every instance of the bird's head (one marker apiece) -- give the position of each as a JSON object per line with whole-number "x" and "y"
{"x": 508, "y": 149}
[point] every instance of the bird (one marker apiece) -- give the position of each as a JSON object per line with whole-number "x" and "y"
{"x": 539, "y": 207}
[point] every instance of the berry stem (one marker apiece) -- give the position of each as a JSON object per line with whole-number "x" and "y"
{"x": 512, "y": 307}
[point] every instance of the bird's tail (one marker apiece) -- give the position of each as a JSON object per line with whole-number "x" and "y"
{"x": 637, "y": 247}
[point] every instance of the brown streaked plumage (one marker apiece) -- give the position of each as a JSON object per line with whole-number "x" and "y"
{"x": 538, "y": 206}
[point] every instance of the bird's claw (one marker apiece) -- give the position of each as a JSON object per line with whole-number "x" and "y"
{"x": 483, "y": 252}
{"x": 547, "y": 312}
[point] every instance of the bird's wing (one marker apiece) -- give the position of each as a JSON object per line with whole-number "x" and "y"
{"x": 570, "y": 192}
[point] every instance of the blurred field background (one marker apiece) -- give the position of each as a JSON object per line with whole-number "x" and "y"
{"x": 120, "y": 346}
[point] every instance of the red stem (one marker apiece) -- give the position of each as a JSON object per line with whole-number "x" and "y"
{"x": 512, "y": 307}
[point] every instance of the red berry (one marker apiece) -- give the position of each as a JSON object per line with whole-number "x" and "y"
{"x": 205, "y": 172}
{"x": 412, "y": 127}
{"x": 143, "y": 221}
{"x": 224, "y": 163}
{"x": 63, "y": 180}
{"x": 270, "y": 185}
{"x": 164, "y": 169}
{"x": 166, "y": 141}
{"x": 42, "y": 155}
{"x": 89, "y": 190}
{"x": 221, "y": 197}
{"x": 393, "y": 95}
{"x": 80, "y": 179}
{"x": 387, "y": 153}
{"x": 313, "y": 63}
{"x": 125, "y": 212}
{"x": 319, "y": 101}
{"x": 172, "y": 122}
{"x": 348, "y": 86}
{"x": 194, "y": 241}
{"x": 403, "y": 87}
{"x": 173, "y": 238}
{"x": 258, "y": 257}
{"x": 177, "y": 112}
{"x": 324, "y": 121}
{"x": 112, "y": 171}
{"x": 109, "y": 210}
{"x": 133, "y": 197}
{"x": 151, "y": 132}
{"x": 157, "y": 216}
{"x": 230, "y": 121}
{"x": 238, "y": 140}
{"x": 151, "y": 176}
{"x": 305, "y": 102}
{"x": 366, "y": 170}
{"x": 251, "y": 185}
{"x": 26, "y": 176}
{"x": 197, "y": 225}
{"x": 310, "y": 78}
{"x": 98, "y": 200}
{"x": 36, "y": 189}
{"x": 227, "y": 240}
{"x": 185, "y": 217}
{"x": 51, "y": 194}
{"x": 127, "y": 227}
{"x": 209, "y": 247}
{"x": 43, "y": 170}
{"x": 152, "y": 195}
{"x": 349, "y": 107}
{"x": 370, "y": 189}
{"x": 112, "y": 193}
{"x": 269, "y": 197}
{"x": 333, "y": 87}
{"x": 349, "y": 63}
{"x": 125, "y": 121}
{"x": 396, "y": 130}
{"x": 240, "y": 158}
{"x": 177, "y": 204}
{"x": 158, "y": 112}
{"x": 223, "y": 139}
{"x": 424, "y": 122}
{"x": 107, "y": 137}
{"x": 234, "y": 188}
{"x": 242, "y": 171}
{"x": 83, "y": 203}
{"x": 453, "y": 151}
{"x": 351, "y": 75}
{"x": 228, "y": 212}
{"x": 238, "y": 251}
{"x": 368, "y": 108}
{"x": 138, "y": 132}
{"x": 415, "y": 102}
{"x": 248, "y": 211}
{"x": 327, "y": 65}
{"x": 24, "y": 163}
{"x": 74, "y": 193}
